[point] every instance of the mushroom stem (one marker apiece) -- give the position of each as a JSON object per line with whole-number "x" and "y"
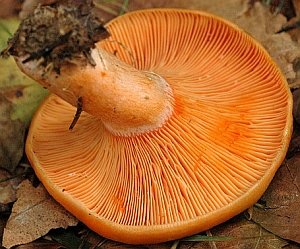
{"x": 127, "y": 100}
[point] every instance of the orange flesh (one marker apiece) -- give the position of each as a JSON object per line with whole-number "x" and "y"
{"x": 127, "y": 100}
{"x": 213, "y": 158}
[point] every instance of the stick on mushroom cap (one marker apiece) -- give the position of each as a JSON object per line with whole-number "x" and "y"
{"x": 226, "y": 131}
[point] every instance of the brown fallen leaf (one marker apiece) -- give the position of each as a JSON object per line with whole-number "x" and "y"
{"x": 108, "y": 10}
{"x": 9, "y": 8}
{"x": 3, "y": 220}
{"x": 297, "y": 7}
{"x": 296, "y": 105}
{"x": 236, "y": 13}
{"x": 33, "y": 215}
{"x": 257, "y": 20}
{"x": 41, "y": 244}
{"x": 238, "y": 233}
{"x": 263, "y": 25}
{"x": 228, "y": 9}
{"x": 285, "y": 7}
{"x": 8, "y": 187}
{"x": 294, "y": 147}
{"x": 280, "y": 213}
{"x": 12, "y": 140}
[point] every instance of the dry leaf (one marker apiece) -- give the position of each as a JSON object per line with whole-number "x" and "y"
{"x": 257, "y": 21}
{"x": 41, "y": 244}
{"x": 19, "y": 97}
{"x": 239, "y": 233}
{"x": 12, "y": 140}
{"x": 297, "y": 7}
{"x": 281, "y": 214}
{"x": 262, "y": 25}
{"x": 8, "y": 8}
{"x": 2, "y": 225}
{"x": 228, "y": 9}
{"x": 294, "y": 146}
{"x": 8, "y": 187}
{"x": 296, "y": 105}
{"x": 33, "y": 215}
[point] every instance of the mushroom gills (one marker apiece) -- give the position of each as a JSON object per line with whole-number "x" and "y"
{"x": 215, "y": 155}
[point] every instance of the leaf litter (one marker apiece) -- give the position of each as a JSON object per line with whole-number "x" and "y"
{"x": 238, "y": 233}
{"x": 296, "y": 106}
{"x": 8, "y": 187}
{"x": 279, "y": 212}
{"x": 12, "y": 140}
{"x": 256, "y": 19}
{"x": 19, "y": 97}
{"x": 33, "y": 215}
{"x": 260, "y": 232}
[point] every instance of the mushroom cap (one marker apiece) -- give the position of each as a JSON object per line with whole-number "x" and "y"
{"x": 215, "y": 156}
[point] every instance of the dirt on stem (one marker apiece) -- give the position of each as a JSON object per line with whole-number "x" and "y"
{"x": 58, "y": 34}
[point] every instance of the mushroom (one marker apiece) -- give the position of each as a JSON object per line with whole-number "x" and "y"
{"x": 186, "y": 120}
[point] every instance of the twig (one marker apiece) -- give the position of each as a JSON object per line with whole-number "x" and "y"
{"x": 289, "y": 27}
{"x": 175, "y": 244}
{"x": 211, "y": 243}
{"x": 77, "y": 114}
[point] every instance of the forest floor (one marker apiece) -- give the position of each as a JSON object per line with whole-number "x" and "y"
{"x": 274, "y": 222}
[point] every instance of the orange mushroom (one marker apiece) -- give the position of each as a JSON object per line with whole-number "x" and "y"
{"x": 183, "y": 129}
